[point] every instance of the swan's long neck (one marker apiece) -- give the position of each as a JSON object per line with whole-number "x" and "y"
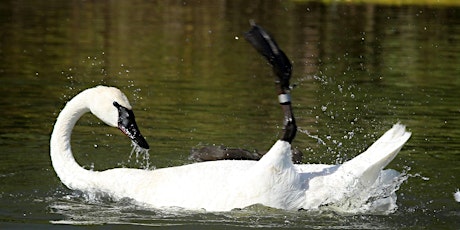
{"x": 67, "y": 169}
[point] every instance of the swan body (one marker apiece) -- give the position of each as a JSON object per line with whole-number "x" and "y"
{"x": 272, "y": 181}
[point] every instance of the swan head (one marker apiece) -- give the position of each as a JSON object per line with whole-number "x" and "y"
{"x": 111, "y": 106}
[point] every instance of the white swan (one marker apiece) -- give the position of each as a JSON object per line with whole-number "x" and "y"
{"x": 273, "y": 181}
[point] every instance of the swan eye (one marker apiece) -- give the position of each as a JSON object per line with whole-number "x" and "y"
{"x": 116, "y": 105}
{"x": 123, "y": 112}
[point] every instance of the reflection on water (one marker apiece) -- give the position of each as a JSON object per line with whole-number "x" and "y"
{"x": 194, "y": 81}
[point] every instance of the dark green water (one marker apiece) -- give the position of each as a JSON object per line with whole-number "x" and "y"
{"x": 194, "y": 81}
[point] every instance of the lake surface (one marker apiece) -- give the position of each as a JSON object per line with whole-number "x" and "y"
{"x": 193, "y": 81}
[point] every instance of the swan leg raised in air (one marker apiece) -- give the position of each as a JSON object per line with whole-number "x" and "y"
{"x": 282, "y": 67}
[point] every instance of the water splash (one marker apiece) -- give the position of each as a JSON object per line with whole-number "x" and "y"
{"x": 142, "y": 156}
{"x": 74, "y": 209}
{"x": 378, "y": 199}
{"x": 304, "y": 131}
{"x": 457, "y": 195}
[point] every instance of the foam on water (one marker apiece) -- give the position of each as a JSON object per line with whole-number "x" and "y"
{"x": 457, "y": 195}
{"x": 80, "y": 209}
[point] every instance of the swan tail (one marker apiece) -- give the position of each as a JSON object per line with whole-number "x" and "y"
{"x": 368, "y": 165}
{"x": 361, "y": 179}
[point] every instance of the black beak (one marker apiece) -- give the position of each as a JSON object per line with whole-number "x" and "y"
{"x": 127, "y": 124}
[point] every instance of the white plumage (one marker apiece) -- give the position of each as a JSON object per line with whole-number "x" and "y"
{"x": 273, "y": 181}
